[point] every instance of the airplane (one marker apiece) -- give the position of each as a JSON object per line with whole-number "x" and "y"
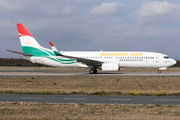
{"x": 104, "y": 60}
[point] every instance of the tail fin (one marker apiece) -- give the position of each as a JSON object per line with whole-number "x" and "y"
{"x": 26, "y": 38}
{"x": 29, "y": 44}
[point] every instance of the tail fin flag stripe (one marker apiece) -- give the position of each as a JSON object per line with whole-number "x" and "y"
{"x": 56, "y": 52}
{"x": 22, "y": 30}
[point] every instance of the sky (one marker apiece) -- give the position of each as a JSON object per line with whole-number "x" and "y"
{"x": 93, "y": 25}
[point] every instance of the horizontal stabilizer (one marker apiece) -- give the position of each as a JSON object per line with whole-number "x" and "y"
{"x": 24, "y": 54}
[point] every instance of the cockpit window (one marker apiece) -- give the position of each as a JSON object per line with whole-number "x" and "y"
{"x": 166, "y": 57}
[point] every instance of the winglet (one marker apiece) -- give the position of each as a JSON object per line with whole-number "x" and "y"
{"x": 56, "y": 52}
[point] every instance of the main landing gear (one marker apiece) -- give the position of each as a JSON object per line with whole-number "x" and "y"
{"x": 93, "y": 71}
{"x": 159, "y": 72}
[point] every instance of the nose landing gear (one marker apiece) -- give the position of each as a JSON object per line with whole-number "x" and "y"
{"x": 159, "y": 70}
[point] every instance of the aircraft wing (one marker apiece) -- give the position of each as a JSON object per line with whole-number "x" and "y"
{"x": 83, "y": 60}
{"x": 20, "y": 53}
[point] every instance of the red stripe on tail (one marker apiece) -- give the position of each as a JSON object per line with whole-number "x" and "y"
{"x": 22, "y": 30}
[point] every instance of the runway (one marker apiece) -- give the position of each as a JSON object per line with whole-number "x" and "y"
{"x": 108, "y": 74}
{"x": 65, "y": 99}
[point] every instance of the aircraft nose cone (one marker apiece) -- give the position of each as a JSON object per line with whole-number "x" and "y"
{"x": 174, "y": 62}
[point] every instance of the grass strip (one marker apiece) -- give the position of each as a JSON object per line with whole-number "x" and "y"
{"x": 133, "y": 93}
{"x": 131, "y": 86}
{"x": 80, "y": 111}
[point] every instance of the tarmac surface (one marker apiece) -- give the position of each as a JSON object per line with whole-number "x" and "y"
{"x": 53, "y": 71}
{"x": 109, "y": 74}
{"x": 65, "y": 99}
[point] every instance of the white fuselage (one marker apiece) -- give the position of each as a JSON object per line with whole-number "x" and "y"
{"x": 124, "y": 58}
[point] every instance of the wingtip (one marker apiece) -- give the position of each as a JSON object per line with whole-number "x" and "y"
{"x": 51, "y": 44}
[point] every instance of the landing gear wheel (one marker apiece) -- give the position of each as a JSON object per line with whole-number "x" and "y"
{"x": 159, "y": 72}
{"x": 95, "y": 71}
{"x": 92, "y": 71}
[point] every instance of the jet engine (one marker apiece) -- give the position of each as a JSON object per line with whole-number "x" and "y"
{"x": 110, "y": 67}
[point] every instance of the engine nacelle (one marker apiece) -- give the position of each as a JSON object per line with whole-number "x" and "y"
{"x": 110, "y": 67}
